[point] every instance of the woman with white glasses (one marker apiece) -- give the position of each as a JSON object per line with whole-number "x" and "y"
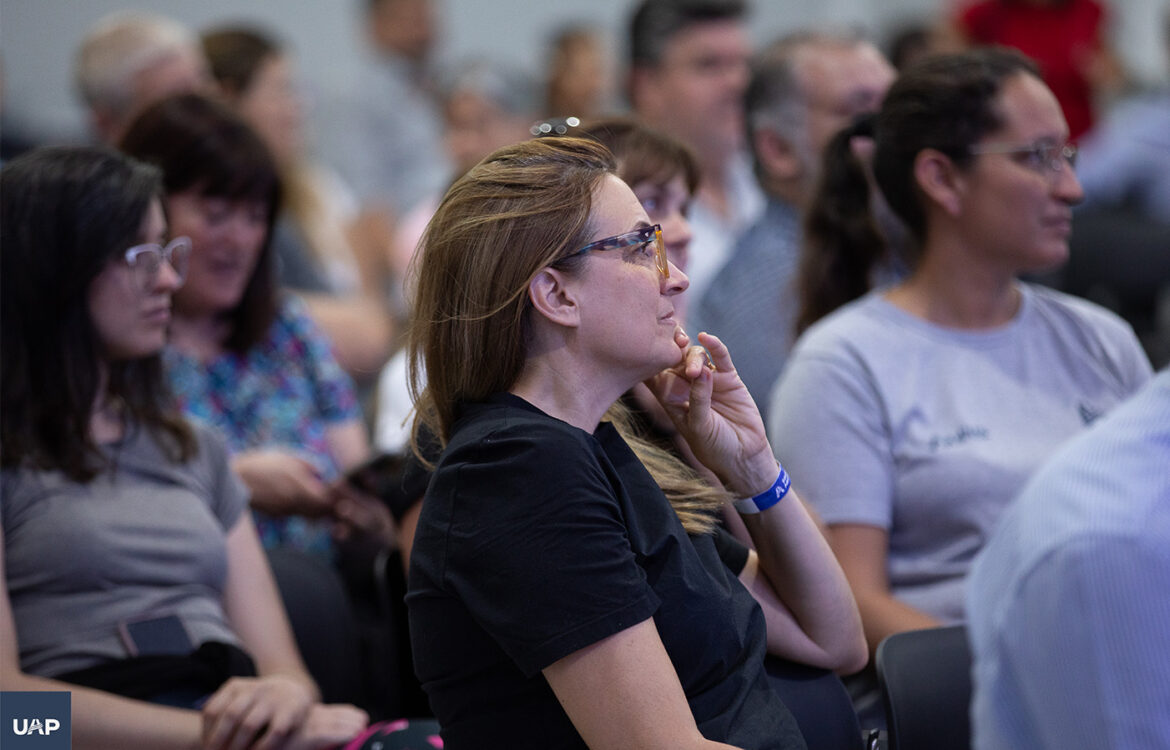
{"x": 133, "y": 576}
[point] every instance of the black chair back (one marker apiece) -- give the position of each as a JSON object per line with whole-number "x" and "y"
{"x": 925, "y": 679}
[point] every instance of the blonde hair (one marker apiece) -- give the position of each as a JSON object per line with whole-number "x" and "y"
{"x": 694, "y": 500}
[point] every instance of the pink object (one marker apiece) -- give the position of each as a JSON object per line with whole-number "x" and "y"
{"x": 383, "y": 727}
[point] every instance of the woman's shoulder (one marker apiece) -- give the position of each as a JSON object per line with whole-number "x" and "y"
{"x": 504, "y": 450}
{"x": 209, "y": 441}
{"x": 858, "y": 323}
{"x": 1089, "y": 331}
{"x": 149, "y": 451}
{"x": 507, "y": 432}
{"x": 1063, "y": 309}
{"x": 508, "y": 418}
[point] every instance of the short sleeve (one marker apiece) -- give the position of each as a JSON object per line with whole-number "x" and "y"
{"x": 732, "y": 552}
{"x": 536, "y": 544}
{"x": 1108, "y": 339}
{"x": 333, "y": 390}
{"x": 229, "y": 496}
{"x": 1135, "y": 365}
{"x": 1118, "y": 348}
{"x": 828, "y": 428}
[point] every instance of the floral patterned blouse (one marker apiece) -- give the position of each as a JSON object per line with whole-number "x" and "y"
{"x": 284, "y": 393}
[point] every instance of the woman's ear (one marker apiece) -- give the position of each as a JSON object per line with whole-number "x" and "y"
{"x": 554, "y": 298}
{"x": 940, "y": 180}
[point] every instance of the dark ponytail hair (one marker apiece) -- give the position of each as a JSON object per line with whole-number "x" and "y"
{"x": 946, "y": 103}
{"x": 841, "y": 244}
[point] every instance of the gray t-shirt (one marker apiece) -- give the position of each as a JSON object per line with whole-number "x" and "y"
{"x": 885, "y": 420}
{"x": 146, "y": 539}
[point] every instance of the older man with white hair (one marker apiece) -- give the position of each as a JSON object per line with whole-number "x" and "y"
{"x": 803, "y": 89}
{"x": 129, "y": 60}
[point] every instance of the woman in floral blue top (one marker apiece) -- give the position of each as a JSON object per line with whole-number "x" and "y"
{"x": 242, "y": 357}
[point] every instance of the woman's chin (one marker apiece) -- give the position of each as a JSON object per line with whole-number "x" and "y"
{"x": 667, "y": 361}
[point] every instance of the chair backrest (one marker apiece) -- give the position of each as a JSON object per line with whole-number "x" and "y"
{"x": 925, "y": 679}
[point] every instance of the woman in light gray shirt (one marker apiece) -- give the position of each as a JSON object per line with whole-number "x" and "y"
{"x": 924, "y": 406}
{"x": 132, "y": 575}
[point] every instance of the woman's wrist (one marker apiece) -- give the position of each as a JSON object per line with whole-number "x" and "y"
{"x": 301, "y": 678}
{"x": 761, "y": 501}
{"x": 754, "y": 476}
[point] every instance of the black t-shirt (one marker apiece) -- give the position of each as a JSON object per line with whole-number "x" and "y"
{"x": 731, "y": 551}
{"x": 537, "y": 539}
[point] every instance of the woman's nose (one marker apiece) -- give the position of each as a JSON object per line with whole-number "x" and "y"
{"x": 677, "y": 282}
{"x": 1067, "y": 187}
{"x": 168, "y": 278}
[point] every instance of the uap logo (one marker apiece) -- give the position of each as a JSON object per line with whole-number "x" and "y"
{"x": 35, "y": 721}
{"x": 35, "y": 726}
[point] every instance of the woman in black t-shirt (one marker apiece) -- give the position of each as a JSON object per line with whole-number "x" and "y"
{"x": 555, "y": 598}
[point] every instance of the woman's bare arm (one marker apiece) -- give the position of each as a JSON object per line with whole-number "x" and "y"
{"x": 100, "y": 720}
{"x": 862, "y": 552}
{"x": 623, "y": 692}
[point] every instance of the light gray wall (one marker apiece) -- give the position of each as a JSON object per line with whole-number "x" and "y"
{"x": 37, "y": 37}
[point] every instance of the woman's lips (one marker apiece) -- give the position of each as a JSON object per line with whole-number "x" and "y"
{"x": 161, "y": 315}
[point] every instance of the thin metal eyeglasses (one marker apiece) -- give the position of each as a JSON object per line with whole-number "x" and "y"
{"x": 146, "y": 261}
{"x": 638, "y": 237}
{"x": 1040, "y": 157}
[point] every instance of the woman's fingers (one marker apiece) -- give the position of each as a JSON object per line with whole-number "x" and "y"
{"x": 226, "y": 718}
{"x": 720, "y": 356}
{"x": 259, "y": 713}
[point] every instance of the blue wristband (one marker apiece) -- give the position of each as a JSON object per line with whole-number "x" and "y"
{"x": 768, "y": 497}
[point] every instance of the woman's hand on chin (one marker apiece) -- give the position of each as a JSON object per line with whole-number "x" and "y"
{"x": 713, "y": 410}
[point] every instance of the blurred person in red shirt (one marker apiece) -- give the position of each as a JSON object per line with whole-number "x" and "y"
{"x": 1066, "y": 38}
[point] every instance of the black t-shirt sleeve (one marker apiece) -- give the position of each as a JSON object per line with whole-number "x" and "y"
{"x": 731, "y": 551}
{"x": 536, "y": 546}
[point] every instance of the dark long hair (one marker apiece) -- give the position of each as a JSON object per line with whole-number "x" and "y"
{"x": 946, "y": 103}
{"x": 841, "y": 242}
{"x": 200, "y": 144}
{"x": 65, "y": 213}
